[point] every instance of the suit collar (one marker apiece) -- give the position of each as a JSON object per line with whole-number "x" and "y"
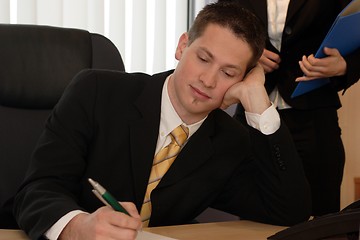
{"x": 293, "y": 8}
{"x": 196, "y": 152}
{"x": 260, "y": 8}
{"x": 145, "y": 130}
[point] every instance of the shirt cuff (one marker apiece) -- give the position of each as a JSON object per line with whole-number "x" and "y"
{"x": 267, "y": 123}
{"x": 55, "y": 230}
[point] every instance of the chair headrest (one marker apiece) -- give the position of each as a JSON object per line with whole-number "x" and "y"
{"x": 38, "y": 62}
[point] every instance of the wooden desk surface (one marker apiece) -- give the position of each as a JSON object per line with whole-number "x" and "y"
{"x": 206, "y": 231}
{"x": 6, "y": 234}
{"x": 221, "y": 230}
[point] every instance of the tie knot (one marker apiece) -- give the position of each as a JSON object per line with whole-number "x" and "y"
{"x": 180, "y": 134}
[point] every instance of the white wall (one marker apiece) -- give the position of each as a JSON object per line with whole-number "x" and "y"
{"x": 349, "y": 118}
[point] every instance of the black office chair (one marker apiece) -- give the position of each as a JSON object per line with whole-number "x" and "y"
{"x": 36, "y": 64}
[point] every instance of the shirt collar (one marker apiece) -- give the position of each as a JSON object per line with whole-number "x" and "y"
{"x": 169, "y": 119}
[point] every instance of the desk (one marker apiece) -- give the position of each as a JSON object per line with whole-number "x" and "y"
{"x": 218, "y": 231}
{"x": 205, "y": 231}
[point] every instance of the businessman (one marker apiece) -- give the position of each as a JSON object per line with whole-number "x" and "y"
{"x": 108, "y": 126}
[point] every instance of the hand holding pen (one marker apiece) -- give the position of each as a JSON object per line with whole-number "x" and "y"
{"x": 104, "y": 196}
{"x": 104, "y": 223}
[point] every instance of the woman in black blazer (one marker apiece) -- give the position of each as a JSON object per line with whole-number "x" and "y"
{"x": 312, "y": 117}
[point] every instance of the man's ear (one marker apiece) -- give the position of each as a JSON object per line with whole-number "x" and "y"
{"x": 182, "y": 44}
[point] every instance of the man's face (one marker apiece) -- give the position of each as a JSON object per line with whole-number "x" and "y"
{"x": 206, "y": 70}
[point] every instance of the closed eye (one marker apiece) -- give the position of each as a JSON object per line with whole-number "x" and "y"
{"x": 228, "y": 74}
{"x": 203, "y": 59}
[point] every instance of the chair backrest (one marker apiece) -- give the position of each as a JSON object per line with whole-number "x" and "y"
{"x": 36, "y": 64}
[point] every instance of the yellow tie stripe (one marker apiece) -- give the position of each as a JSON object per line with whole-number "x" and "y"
{"x": 162, "y": 162}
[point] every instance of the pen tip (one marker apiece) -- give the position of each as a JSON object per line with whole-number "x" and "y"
{"x": 91, "y": 181}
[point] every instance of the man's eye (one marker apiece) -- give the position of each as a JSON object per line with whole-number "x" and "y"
{"x": 203, "y": 59}
{"x": 228, "y": 74}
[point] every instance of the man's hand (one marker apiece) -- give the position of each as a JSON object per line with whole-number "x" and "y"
{"x": 269, "y": 61}
{"x": 250, "y": 92}
{"x": 105, "y": 223}
{"x": 332, "y": 65}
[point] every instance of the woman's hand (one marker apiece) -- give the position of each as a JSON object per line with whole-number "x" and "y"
{"x": 330, "y": 66}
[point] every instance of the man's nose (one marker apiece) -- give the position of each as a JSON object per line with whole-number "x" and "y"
{"x": 208, "y": 78}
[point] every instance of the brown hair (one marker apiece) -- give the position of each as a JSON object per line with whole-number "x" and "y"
{"x": 239, "y": 20}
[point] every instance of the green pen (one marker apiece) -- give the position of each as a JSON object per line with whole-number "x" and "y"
{"x": 104, "y": 196}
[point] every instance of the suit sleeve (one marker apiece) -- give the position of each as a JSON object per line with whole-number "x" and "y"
{"x": 352, "y": 72}
{"x": 52, "y": 183}
{"x": 271, "y": 187}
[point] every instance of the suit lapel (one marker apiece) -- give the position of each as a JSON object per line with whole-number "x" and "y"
{"x": 196, "y": 152}
{"x": 294, "y": 6}
{"x": 145, "y": 130}
{"x": 260, "y": 8}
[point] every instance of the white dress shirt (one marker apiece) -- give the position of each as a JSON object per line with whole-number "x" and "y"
{"x": 276, "y": 12}
{"x": 268, "y": 122}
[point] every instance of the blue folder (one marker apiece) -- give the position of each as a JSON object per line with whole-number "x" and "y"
{"x": 344, "y": 35}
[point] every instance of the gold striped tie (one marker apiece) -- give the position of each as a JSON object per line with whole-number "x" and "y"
{"x": 162, "y": 162}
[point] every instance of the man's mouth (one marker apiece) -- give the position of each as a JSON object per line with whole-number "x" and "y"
{"x": 199, "y": 94}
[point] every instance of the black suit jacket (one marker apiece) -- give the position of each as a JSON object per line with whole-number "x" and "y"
{"x": 306, "y": 25}
{"x": 106, "y": 127}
